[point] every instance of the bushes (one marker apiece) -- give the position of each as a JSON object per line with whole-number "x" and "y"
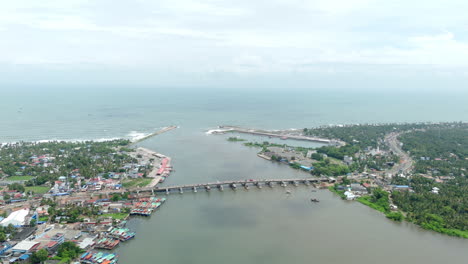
{"x": 395, "y": 216}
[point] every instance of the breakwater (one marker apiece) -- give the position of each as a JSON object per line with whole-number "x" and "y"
{"x": 283, "y": 134}
{"x": 159, "y": 132}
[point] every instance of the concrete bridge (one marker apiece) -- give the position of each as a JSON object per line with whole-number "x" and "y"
{"x": 232, "y": 185}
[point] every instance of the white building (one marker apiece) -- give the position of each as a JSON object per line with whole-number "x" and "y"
{"x": 349, "y": 195}
{"x": 17, "y": 218}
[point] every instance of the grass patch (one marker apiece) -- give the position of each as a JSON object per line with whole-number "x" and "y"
{"x": 19, "y": 178}
{"x": 140, "y": 182}
{"x": 37, "y": 189}
{"x": 116, "y": 216}
{"x": 366, "y": 200}
{"x": 44, "y": 218}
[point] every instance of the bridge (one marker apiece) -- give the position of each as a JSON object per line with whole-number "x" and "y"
{"x": 233, "y": 185}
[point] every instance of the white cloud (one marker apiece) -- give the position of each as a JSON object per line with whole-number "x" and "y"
{"x": 241, "y": 36}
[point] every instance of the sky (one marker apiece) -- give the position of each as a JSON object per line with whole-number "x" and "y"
{"x": 276, "y": 43}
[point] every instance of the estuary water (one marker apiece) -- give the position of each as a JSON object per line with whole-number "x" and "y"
{"x": 254, "y": 226}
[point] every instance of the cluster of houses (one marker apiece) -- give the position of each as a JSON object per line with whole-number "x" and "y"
{"x": 40, "y": 235}
{"x": 354, "y": 190}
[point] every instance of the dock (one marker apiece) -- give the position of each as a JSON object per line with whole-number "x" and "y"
{"x": 159, "y": 132}
{"x": 232, "y": 185}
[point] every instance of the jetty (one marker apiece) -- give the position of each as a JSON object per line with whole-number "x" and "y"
{"x": 283, "y": 134}
{"x": 159, "y": 132}
{"x": 232, "y": 185}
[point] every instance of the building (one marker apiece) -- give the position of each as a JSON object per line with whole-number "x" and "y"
{"x": 348, "y": 160}
{"x": 358, "y": 188}
{"x": 349, "y": 195}
{"x": 17, "y": 218}
{"x": 24, "y": 247}
{"x": 59, "y": 238}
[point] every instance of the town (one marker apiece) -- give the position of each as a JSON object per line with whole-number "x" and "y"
{"x": 64, "y": 201}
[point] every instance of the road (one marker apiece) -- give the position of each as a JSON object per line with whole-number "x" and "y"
{"x": 406, "y": 163}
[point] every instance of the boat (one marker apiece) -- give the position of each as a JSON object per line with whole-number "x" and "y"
{"x": 315, "y": 200}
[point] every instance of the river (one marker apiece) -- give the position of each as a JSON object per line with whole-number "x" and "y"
{"x": 254, "y": 226}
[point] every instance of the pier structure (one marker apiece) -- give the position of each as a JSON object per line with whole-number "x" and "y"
{"x": 232, "y": 185}
{"x": 284, "y": 134}
{"x": 159, "y": 132}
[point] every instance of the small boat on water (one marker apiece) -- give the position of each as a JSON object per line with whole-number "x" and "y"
{"x": 315, "y": 200}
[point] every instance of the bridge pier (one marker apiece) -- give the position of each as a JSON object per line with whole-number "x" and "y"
{"x": 283, "y": 184}
{"x": 181, "y": 190}
{"x": 220, "y": 186}
{"x": 194, "y": 189}
{"x": 152, "y": 192}
{"x": 208, "y": 188}
{"x": 167, "y": 190}
{"x": 233, "y": 186}
{"x": 270, "y": 184}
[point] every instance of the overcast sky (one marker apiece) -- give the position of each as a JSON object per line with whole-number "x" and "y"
{"x": 187, "y": 42}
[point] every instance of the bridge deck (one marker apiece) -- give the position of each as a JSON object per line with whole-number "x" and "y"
{"x": 230, "y": 183}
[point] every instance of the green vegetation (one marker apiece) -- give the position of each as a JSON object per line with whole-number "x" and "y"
{"x": 16, "y": 186}
{"x": 116, "y": 216}
{"x": 37, "y": 189}
{"x": 446, "y": 148}
{"x": 446, "y": 211}
{"x": 379, "y": 201}
{"x": 8, "y": 230}
{"x": 365, "y": 135}
{"x": 326, "y": 167}
{"x": 139, "y": 182}
{"x": 235, "y": 139}
{"x": 39, "y": 256}
{"x": 395, "y": 216}
{"x": 39, "y": 165}
{"x": 19, "y": 178}
{"x": 68, "y": 251}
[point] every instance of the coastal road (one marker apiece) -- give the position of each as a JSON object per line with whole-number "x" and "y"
{"x": 406, "y": 163}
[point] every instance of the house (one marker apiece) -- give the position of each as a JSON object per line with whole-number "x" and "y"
{"x": 358, "y": 188}
{"x": 366, "y": 185}
{"x": 348, "y": 160}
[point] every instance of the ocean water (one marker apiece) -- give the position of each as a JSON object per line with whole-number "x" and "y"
{"x": 94, "y": 113}
{"x": 254, "y": 226}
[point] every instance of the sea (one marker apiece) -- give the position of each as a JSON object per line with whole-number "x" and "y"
{"x": 275, "y": 226}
